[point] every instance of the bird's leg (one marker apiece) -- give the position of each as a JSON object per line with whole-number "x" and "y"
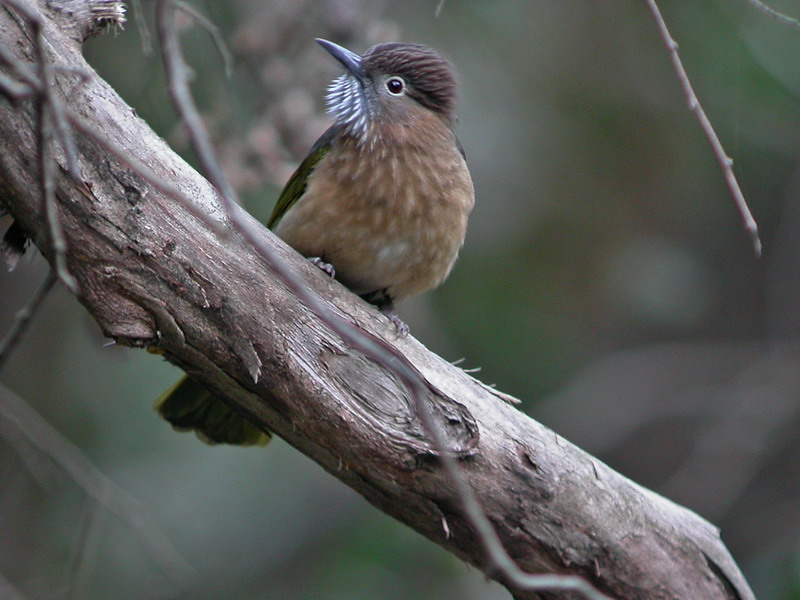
{"x": 385, "y": 304}
{"x": 323, "y": 266}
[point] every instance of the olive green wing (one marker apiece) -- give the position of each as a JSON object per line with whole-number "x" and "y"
{"x": 298, "y": 182}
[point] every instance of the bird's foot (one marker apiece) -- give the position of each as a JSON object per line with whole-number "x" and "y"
{"x": 401, "y": 326}
{"x": 325, "y": 267}
{"x": 385, "y": 304}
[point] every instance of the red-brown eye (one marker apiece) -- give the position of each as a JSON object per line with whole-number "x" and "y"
{"x": 395, "y": 85}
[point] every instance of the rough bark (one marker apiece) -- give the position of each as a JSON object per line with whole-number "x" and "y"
{"x": 151, "y": 274}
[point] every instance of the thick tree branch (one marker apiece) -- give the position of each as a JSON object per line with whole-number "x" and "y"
{"x": 152, "y": 274}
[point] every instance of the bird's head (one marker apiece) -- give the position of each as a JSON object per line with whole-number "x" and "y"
{"x": 389, "y": 84}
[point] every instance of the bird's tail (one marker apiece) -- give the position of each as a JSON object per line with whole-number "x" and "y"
{"x": 189, "y": 406}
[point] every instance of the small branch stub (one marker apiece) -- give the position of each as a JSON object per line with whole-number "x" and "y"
{"x": 92, "y": 16}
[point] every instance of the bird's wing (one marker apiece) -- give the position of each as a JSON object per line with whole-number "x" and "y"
{"x": 296, "y": 186}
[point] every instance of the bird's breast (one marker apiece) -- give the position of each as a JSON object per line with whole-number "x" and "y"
{"x": 391, "y": 217}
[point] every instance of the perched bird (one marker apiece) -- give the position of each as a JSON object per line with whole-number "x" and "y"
{"x": 381, "y": 202}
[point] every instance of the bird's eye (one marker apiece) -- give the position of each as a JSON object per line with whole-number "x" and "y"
{"x": 395, "y": 85}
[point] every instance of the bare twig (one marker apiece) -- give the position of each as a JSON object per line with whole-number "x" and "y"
{"x": 50, "y": 113}
{"x": 20, "y": 69}
{"x": 775, "y": 406}
{"x": 45, "y": 87}
{"x": 48, "y": 95}
{"x": 28, "y": 14}
{"x": 774, "y": 14}
{"x": 14, "y": 90}
{"x": 213, "y": 31}
{"x": 725, "y": 162}
{"x": 85, "y": 548}
{"x": 49, "y": 204}
{"x": 145, "y": 172}
{"x": 96, "y": 484}
{"x": 48, "y": 198}
{"x": 371, "y": 346}
{"x": 141, "y": 24}
{"x": 24, "y": 317}
{"x": 34, "y": 462}
{"x": 32, "y": 84}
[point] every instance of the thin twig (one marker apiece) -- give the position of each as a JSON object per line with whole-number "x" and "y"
{"x": 84, "y": 550}
{"x": 213, "y": 31}
{"x": 47, "y": 89}
{"x": 20, "y": 69}
{"x": 45, "y": 85}
{"x": 50, "y": 113}
{"x": 725, "y": 162}
{"x": 49, "y": 204}
{"x": 32, "y": 82}
{"x": 38, "y": 466}
{"x": 145, "y": 172}
{"x": 141, "y": 24}
{"x": 97, "y": 485}
{"x": 368, "y": 344}
{"x": 774, "y": 14}
{"x": 24, "y": 10}
{"x": 24, "y": 317}
{"x": 14, "y": 90}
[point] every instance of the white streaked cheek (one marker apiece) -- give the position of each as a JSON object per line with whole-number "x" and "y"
{"x": 346, "y": 105}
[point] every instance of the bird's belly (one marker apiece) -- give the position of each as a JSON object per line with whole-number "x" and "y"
{"x": 402, "y": 265}
{"x": 378, "y": 248}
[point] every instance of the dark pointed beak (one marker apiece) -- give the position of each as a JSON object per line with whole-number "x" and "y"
{"x": 350, "y": 60}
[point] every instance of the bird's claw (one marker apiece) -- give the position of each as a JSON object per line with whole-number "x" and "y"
{"x": 387, "y": 308}
{"x": 385, "y": 304}
{"x": 325, "y": 267}
{"x": 401, "y": 326}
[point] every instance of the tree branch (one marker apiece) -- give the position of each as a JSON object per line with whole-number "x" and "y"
{"x": 152, "y": 274}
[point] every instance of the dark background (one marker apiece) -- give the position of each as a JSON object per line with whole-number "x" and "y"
{"x": 606, "y": 281}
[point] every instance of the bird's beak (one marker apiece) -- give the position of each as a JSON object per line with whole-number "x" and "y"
{"x": 350, "y": 60}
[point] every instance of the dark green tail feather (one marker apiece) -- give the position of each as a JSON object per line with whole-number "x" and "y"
{"x": 189, "y": 406}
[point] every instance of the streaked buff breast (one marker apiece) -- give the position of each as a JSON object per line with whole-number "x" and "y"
{"x": 391, "y": 216}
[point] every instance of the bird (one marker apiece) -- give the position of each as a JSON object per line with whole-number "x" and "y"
{"x": 381, "y": 202}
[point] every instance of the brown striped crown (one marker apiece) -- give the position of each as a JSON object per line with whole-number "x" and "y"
{"x": 430, "y": 77}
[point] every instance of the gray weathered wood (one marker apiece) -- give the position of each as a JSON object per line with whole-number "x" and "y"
{"x": 151, "y": 274}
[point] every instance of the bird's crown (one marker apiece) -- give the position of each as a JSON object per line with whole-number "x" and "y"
{"x": 429, "y": 76}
